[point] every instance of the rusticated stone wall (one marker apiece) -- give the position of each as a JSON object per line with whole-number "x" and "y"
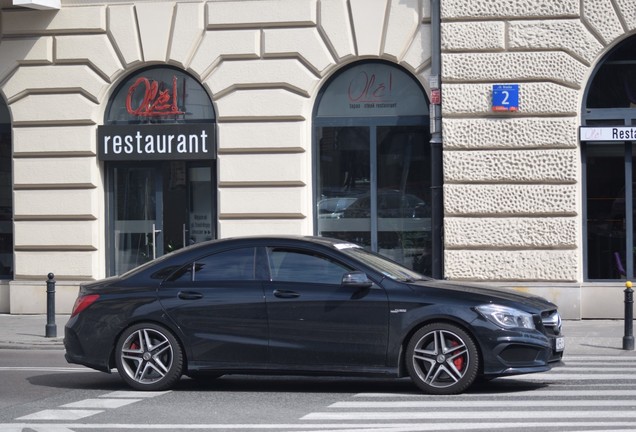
{"x": 512, "y": 180}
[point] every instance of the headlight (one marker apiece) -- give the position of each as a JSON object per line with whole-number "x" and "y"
{"x": 506, "y": 317}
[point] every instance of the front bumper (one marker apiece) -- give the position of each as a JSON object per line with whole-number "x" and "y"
{"x": 522, "y": 352}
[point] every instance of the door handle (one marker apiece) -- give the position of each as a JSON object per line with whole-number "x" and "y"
{"x": 286, "y": 294}
{"x": 189, "y": 295}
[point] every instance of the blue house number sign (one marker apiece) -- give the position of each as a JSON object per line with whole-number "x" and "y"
{"x": 505, "y": 97}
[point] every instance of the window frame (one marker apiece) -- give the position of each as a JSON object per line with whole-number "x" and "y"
{"x": 619, "y": 116}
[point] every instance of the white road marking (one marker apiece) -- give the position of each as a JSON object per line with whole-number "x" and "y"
{"x": 575, "y": 377}
{"x": 477, "y": 415}
{"x": 107, "y": 401}
{"x": 134, "y": 394}
{"x": 485, "y": 404}
{"x": 514, "y": 395}
{"x": 58, "y": 414}
{"x": 45, "y": 369}
{"x": 324, "y": 427}
{"x": 101, "y": 403}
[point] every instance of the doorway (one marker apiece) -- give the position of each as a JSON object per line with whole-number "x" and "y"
{"x": 157, "y": 208}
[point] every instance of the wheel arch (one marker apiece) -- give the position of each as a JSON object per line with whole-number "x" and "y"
{"x": 176, "y": 334}
{"x": 402, "y": 371}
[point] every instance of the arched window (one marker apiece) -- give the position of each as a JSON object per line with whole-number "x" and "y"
{"x": 158, "y": 142}
{"x": 6, "y": 194}
{"x": 608, "y": 136}
{"x": 372, "y": 162}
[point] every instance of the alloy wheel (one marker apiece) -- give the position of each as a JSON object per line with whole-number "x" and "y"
{"x": 442, "y": 359}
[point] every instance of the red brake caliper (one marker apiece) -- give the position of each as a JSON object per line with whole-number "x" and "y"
{"x": 459, "y": 361}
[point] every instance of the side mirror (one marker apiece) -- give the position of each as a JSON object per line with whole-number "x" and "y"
{"x": 356, "y": 279}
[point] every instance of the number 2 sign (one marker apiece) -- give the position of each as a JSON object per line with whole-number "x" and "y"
{"x": 505, "y": 97}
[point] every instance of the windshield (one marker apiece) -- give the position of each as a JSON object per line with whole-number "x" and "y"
{"x": 385, "y": 266}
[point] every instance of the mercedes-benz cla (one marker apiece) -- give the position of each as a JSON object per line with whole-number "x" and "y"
{"x": 304, "y": 305}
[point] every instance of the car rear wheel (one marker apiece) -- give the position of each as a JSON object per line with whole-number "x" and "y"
{"x": 149, "y": 357}
{"x": 442, "y": 359}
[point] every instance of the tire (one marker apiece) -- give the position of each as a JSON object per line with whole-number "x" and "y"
{"x": 442, "y": 359}
{"x": 149, "y": 357}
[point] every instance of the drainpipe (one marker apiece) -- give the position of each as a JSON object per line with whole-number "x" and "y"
{"x": 437, "y": 175}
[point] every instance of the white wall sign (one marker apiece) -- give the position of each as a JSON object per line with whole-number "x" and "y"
{"x": 611, "y": 133}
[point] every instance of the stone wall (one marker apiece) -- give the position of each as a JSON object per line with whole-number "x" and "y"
{"x": 512, "y": 180}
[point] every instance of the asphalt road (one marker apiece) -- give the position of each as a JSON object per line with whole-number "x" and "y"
{"x": 40, "y": 392}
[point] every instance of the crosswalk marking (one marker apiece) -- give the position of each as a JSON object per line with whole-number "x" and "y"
{"x": 45, "y": 369}
{"x": 100, "y": 403}
{"x": 476, "y": 415}
{"x": 593, "y": 393}
{"x": 56, "y": 414}
{"x": 134, "y": 394}
{"x": 485, "y": 404}
{"x": 512, "y": 395}
{"x": 110, "y": 400}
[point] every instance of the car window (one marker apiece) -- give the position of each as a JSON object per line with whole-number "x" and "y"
{"x": 235, "y": 264}
{"x": 388, "y": 268}
{"x": 291, "y": 265}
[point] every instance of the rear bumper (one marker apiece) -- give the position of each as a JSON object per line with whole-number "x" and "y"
{"x": 77, "y": 353}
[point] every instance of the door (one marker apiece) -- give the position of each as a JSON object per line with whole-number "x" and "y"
{"x": 374, "y": 190}
{"x": 158, "y": 208}
{"x": 218, "y": 303}
{"x": 316, "y": 322}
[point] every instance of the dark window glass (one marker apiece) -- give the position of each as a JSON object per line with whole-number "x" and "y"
{"x": 404, "y": 196}
{"x": 614, "y": 84}
{"x": 304, "y": 266}
{"x": 400, "y": 185}
{"x": 373, "y": 175}
{"x": 6, "y": 195}
{"x": 609, "y": 200}
{"x": 605, "y": 210}
{"x": 236, "y": 264}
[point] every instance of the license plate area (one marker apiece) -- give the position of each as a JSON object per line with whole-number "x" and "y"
{"x": 559, "y": 344}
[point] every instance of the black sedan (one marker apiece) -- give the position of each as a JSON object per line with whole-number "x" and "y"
{"x": 304, "y": 305}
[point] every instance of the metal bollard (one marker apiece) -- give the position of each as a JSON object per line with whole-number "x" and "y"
{"x": 51, "y": 327}
{"x": 628, "y": 339}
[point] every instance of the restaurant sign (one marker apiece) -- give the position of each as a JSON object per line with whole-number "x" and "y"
{"x": 607, "y": 133}
{"x": 156, "y": 142}
{"x": 159, "y": 113}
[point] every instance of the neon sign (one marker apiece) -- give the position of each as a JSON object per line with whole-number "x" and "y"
{"x": 155, "y": 102}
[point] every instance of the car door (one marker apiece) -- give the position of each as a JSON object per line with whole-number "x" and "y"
{"x": 315, "y": 321}
{"x": 219, "y": 305}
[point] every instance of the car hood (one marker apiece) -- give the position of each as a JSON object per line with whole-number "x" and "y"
{"x": 486, "y": 294}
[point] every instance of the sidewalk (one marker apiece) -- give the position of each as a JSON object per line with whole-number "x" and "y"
{"x": 585, "y": 337}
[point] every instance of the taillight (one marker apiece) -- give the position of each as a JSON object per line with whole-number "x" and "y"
{"x": 83, "y": 302}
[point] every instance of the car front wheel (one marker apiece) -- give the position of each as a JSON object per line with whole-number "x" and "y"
{"x": 149, "y": 357}
{"x": 442, "y": 359}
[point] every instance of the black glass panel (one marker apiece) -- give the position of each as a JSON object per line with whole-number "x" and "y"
{"x": 605, "y": 210}
{"x": 614, "y": 84}
{"x": 6, "y": 197}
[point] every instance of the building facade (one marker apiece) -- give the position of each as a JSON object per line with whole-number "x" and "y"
{"x": 133, "y": 128}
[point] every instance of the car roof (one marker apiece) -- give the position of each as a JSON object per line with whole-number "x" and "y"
{"x": 324, "y": 241}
